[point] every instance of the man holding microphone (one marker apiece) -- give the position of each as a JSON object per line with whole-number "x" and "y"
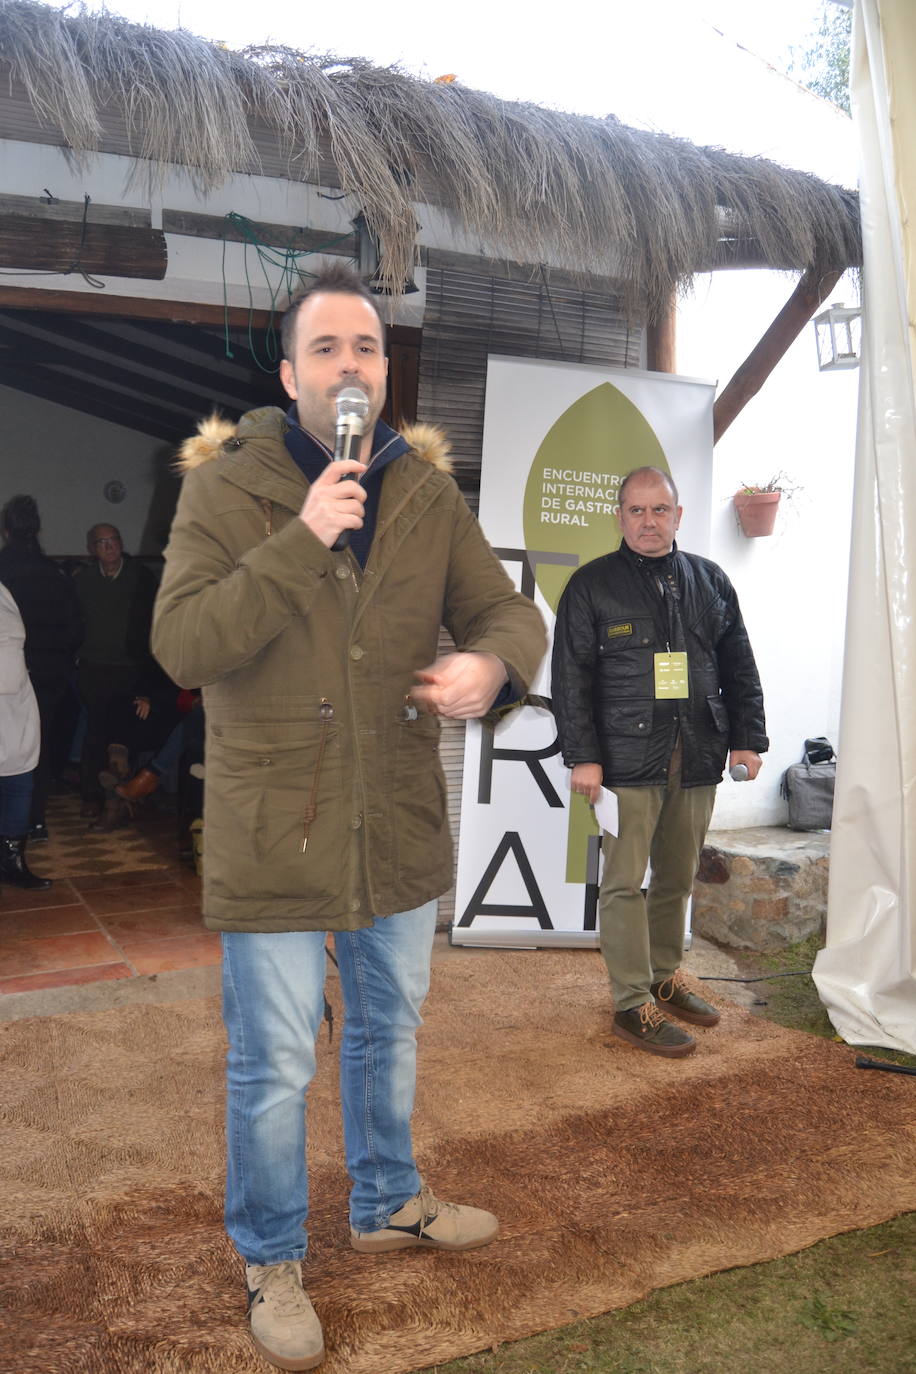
{"x": 325, "y": 799}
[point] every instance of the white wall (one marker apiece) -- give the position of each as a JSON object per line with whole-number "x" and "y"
{"x": 792, "y": 585}
{"x": 64, "y": 460}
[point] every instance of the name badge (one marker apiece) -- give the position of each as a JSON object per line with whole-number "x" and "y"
{"x": 671, "y": 675}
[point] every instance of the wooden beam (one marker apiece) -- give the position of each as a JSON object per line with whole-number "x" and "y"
{"x": 37, "y": 207}
{"x": 272, "y": 235}
{"x": 661, "y": 340}
{"x": 130, "y": 307}
{"x": 810, "y": 292}
{"x": 110, "y": 250}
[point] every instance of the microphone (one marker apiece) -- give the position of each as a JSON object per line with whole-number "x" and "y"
{"x": 738, "y": 773}
{"x": 352, "y": 409}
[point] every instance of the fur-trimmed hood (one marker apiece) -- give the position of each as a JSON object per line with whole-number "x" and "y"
{"x": 214, "y": 434}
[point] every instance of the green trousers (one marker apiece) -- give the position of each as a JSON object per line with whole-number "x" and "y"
{"x": 642, "y": 936}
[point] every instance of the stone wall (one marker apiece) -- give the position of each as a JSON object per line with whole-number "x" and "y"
{"x": 762, "y": 888}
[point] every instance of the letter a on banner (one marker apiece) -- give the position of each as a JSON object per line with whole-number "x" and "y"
{"x": 537, "y": 911}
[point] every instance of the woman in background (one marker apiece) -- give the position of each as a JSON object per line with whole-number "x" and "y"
{"x": 20, "y": 736}
{"x": 50, "y": 611}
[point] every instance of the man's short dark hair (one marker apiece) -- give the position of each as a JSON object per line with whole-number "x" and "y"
{"x": 648, "y": 472}
{"x": 337, "y": 279}
{"x": 20, "y": 519}
{"x": 92, "y": 532}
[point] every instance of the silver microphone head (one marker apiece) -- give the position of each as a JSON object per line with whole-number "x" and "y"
{"x": 351, "y": 401}
{"x": 739, "y": 773}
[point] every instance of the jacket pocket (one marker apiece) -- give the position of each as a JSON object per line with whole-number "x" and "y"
{"x": 616, "y": 636}
{"x": 625, "y": 649}
{"x": 262, "y": 783}
{"x": 719, "y": 713}
{"x": 626, "y": 734}
{"x": 419, "y": 802}
{"x": 632, "y": 719}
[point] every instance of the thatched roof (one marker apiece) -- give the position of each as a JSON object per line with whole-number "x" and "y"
{"x": 592, "y": 194}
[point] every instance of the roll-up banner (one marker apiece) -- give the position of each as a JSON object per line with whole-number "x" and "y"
{"x": 558, "y": 438}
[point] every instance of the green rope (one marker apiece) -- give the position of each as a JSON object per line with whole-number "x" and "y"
{"x": 292, "y": 276}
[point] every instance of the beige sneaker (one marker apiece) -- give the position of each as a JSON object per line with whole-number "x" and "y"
{"x": 284, "y": 1325}
{"x": 424, "y": 1220}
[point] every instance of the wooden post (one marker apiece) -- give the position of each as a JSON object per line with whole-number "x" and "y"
{"x": 661, "y": 340}
{"x": 759, "y": 363}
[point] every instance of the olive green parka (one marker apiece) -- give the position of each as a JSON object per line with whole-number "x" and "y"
{"x": 324, "y": 798}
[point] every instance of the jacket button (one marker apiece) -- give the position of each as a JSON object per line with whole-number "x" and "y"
{"x": 341, "y": 572}
{"x": 641, "y": 725}
{"x": 356, "y": 822}
{"x": 264, "y": 763}
{"x": 357, "y": 652}
{"x": 354, "y": 905}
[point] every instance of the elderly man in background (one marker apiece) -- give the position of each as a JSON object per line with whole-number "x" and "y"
{"x": 654, "y": 684}
{"x": 116, "y": 594}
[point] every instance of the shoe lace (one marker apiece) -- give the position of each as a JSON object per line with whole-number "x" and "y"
{"x": 650, "y": 1015}
{"x": 283, "y": 1282}
{"x": 676, "y": 983}
{"x": 431, "y": 1207}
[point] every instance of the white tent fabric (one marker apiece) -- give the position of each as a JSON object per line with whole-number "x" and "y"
{"x": 866, "y": 975}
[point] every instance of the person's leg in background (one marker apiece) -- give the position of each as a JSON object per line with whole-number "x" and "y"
{"x": 625, "y": 922}
{"x": 100, "y": 685}
{"x": 676, "y": 844}
{"x": 15, "y": 801}
{"x": 50, "y": 694}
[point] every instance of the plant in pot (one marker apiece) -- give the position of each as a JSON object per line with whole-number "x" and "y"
{"x": 756, "y": 504}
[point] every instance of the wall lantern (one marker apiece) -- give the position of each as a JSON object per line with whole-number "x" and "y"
{"x": 367, "y": 260}
{"x": 839, "y": 336}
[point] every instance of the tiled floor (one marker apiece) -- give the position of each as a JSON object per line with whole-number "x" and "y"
{"x": 97, "y": 928}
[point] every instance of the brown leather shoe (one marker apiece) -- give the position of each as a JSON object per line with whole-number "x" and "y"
{"x": 647, "y": 1029}
{"x": 142, "y": 784}
{"x": 674, "y": 995}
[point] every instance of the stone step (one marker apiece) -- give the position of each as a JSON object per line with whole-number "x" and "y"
{"x": 762, "y": 888}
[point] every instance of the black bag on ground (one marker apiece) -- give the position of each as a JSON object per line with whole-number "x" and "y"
{"x": 808, "y": 787}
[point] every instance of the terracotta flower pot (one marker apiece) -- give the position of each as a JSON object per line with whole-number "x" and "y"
{"x": 756, "y": 511}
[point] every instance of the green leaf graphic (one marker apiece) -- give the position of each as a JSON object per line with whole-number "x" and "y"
{"x": 568, "y": 514}
{"x": 572, "y": 485}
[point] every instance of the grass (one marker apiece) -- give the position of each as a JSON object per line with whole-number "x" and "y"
{"x": 794, "y": 1001}
{"x": 843, "y": 1306}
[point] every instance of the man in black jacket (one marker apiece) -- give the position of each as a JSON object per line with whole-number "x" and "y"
{"x": 654, "y": 684}
{"x": 116, "y": 594}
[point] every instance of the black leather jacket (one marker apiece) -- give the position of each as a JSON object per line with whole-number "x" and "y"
{"x": 615, "y": 614}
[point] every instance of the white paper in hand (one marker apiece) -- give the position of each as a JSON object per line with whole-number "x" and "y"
{"x": 606, "y": 811}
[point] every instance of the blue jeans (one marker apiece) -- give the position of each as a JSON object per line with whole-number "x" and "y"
{"x": 15, "y": 801}
{"x": 273, "y": 1001}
